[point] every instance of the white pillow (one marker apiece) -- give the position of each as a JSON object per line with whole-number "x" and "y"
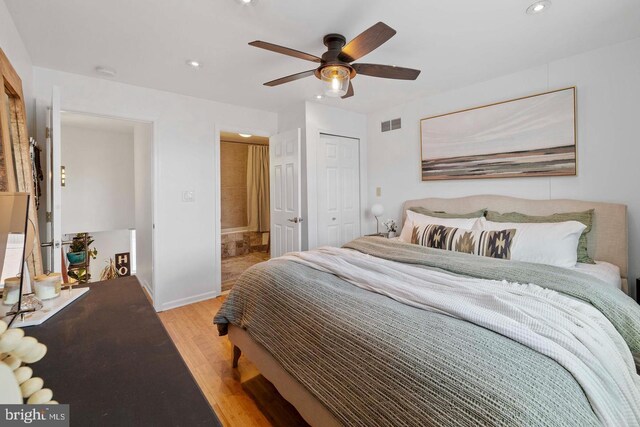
{"x": 542, "y": 243}
{"x": 416, "y": 219}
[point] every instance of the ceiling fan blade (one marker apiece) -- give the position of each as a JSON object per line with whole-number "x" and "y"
{"x": 349, "y": 91}
{"x": 366, "y": 42}
{"x": 386, "y": 71}
{"x": 285, "y": 51}
{"x": 290, "y": 78}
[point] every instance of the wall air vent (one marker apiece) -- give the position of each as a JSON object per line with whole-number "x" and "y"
{"x": 390, "y": 125}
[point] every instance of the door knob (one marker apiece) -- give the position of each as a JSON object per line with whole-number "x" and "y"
{"x": 295, "y": 219}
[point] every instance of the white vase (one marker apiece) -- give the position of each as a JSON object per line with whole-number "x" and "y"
{"x": 392, "y": 234}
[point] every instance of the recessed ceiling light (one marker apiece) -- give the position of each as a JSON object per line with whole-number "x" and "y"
{"x": 245, "y": 135}
{"x": 193, "y": 64}
{"x": 106, "y": 71}
{"x": 538, "y": 7}
{"x": 318, "y": 96}
{"x": 246, "y": 2}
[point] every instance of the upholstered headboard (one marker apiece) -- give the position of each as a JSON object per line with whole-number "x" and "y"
{"x": 607, "y": 240}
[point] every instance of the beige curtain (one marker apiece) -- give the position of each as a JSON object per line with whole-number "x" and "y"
{"x": 258, "y": 208}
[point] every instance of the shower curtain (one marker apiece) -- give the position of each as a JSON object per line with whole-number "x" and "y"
{"x": 258, "y": 209}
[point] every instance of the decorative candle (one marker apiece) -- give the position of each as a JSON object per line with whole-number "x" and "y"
{"x": 11, "y": 292}
{"x": 47, "y": 286}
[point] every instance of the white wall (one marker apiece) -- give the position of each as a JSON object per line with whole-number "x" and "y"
{"x": 12, "y": 45}
{"x": 608, "y": 89}
{"x": 143, "y": 169}
{"x": 99, "y": 190}
{"x": 108, "y": 243}
{"x": 186, "y": 239}
{"x": 292, "y": 117}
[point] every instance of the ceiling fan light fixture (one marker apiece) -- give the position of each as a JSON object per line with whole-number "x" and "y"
{"x": 335, "y": 79}
{"x": 336, "y": 68}
{"x": 245, "y": 135}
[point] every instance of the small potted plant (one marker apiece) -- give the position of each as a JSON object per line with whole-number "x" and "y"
{"x": 392, "y": 228}
{"x": 77, "y": 253}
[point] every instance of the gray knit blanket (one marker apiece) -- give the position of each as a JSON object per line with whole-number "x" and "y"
{"x": 374, "y": 361}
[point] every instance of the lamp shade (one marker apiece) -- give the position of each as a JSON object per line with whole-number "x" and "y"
{"x": 336, "y": 80}
{"x": 377, "y": 209}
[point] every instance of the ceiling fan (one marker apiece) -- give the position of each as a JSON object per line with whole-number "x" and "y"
{"x": 336, "y": 69}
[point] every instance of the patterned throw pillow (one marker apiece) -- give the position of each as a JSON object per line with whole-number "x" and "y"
{"x": 493, "y": 244}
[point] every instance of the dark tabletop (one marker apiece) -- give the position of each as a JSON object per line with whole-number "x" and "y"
{"x": 111, "y": 359}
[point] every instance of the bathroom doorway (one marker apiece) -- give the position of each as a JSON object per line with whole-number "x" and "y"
{"x": 244, "y": 204}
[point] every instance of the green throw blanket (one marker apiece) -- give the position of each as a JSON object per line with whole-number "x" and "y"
{"x": 373, "y": 361}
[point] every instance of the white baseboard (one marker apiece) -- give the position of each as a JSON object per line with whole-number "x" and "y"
{"x": 186, "y": 301}
{"x": 146, "y": 286}
{"x": 149, "y": 290}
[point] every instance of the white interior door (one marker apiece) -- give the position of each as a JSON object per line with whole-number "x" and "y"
{"x": 54, "y": 190}
{"x": 286, "y": 203}
{"x": 338, "y": 176}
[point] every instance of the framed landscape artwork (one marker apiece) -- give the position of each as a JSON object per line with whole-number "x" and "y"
{"x": 530, "y": 136}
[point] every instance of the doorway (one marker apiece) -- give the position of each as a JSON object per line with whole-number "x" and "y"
{"x": 244, "y": 204}
{"x": 104, "y": 208}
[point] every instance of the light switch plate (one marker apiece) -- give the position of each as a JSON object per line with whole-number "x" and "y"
{"x": 188, "y": 196}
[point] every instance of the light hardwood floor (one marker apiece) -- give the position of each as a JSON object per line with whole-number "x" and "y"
{"x": 208, "y": 356}
{"x": 234, "y": 266}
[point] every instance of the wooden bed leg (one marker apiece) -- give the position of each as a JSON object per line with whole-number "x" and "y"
{"x": 236, "y": 355}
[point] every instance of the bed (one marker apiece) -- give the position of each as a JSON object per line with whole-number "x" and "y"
{"x": 344, "y": 355}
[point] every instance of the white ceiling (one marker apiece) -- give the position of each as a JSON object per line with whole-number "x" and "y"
{"x": 455, "y": 43}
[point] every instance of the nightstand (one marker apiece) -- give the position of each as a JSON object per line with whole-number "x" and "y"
{"x": 377, "y": 235}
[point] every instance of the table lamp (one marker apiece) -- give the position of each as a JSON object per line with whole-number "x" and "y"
{"x": 377, "y": 210}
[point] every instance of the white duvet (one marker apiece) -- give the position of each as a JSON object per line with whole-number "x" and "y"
{"x": 608, "y": 273}
{"x": 571, "y": 332}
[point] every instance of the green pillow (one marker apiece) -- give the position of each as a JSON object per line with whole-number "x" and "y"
{"x": 585, "y": 217}
{"x": 440, "y": 214}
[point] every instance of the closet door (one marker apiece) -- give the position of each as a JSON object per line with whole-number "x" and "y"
{"x": 338, "y": 169}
